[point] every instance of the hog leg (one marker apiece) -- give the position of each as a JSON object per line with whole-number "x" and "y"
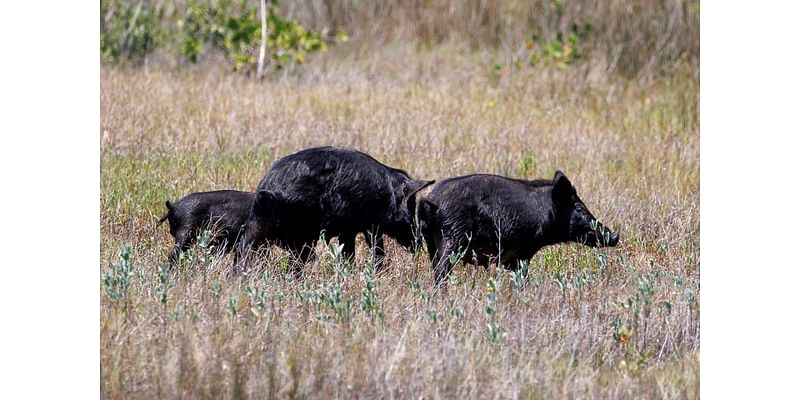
{"x": 302, "y": 252}
{"x": 376, "y": 249}
{"x": 252, "y": 237}
{"x": 226, "y": 241}
{"x": 512, "y": 265}
{"x": 433, "y": 252}
{"x": 441, "y": 270}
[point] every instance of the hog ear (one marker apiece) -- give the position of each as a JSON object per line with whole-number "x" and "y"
{"x": 264, "y": 199}
{"x": 427, "y": 208}
{"x": 562, "y": 188}
{"x": 415, "y": 186}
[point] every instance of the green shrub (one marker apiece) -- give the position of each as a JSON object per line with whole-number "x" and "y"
{"x": 234, "y": 27}
{"x": 128, "y": 31}
{"x": 560, "y": 50}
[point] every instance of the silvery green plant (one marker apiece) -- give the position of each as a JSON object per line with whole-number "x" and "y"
{"x": 369, "y": 295}
{"x": 340, "y": 265}
{"x": 690, "y": 298}
{"x": 603, "y": 234}
{"x": 493, "y": 329}
{"x": 638, "y": 307}
{"x": 204, "y": 240}
{"x": 457, "y": 256}
{"x": 258, "y": 300}
{"x": 583, "y": 279}
{"x": 416, "y": 287}
{"x": 454, "y": 279}
{"x": 332, "y": 295}
{"x": 644, "y": 295}
{"x": 520, "y": 276}
{"x": 455, "y": 311}
{"x": 341, "y": 307}
{"x": 164, "y": 284}
{"x": 216, "y": 288}
{"x": 644, "y": 292}
{"x": 207, "y": 250}
{"x": 266, "y": 277}
{"x": 233, "y": 305}
{"x": 433, "y": 315}
{"x": 118, "y": 278}
{"x": 187, "y": 258}
{"x": 561, "y": 280}
{"x": 430, "y": 312}
{"x": 313, "y": 297}
{"x": 602, "y": 261}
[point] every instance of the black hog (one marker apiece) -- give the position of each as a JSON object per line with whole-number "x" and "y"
{"x": 342, "y": 192}
{"x": 493, "y": 215}
{"x": 223, "y": 212}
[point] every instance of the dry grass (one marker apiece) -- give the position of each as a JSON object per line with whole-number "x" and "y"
{"x": 634, "y": 38}
{"x": 628, "y": 36}
{"x": 630, "y": 147}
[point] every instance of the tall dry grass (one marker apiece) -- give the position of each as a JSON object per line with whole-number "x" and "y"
{"x": 629, "y": 36}
{"x": 634, "y": 38}
{"x": 620, "y": 322}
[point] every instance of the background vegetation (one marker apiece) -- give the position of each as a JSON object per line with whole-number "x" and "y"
{"x": 606, "y": 91}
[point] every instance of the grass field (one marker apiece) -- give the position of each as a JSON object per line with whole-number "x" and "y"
{"x": 583, "y": 323}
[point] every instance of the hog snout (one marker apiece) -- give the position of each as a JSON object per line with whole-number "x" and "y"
{"x": 613, "y": 240}
{"x": 601, "y": 236}
{"x": 606, "y": 238}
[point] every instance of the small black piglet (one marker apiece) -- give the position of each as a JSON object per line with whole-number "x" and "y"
{"x": 222, "y": 211}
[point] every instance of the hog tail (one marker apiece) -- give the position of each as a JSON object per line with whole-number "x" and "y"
{"x": 164, "y": 218}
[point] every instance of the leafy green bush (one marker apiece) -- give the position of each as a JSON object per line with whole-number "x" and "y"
{"x": 558, "y": 49}
{"x": 128, "y": 31}
{"x": 234, "y": 27}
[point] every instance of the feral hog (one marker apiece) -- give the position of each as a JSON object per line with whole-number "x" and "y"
{"x": 223, "y": 212}
{"x": 492, "y": 215}
{"x": 342, "y": 192}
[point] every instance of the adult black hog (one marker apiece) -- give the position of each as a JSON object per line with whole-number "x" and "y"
{"x": 492, "y": 215}
{"x": 342, "y": 192}
{"x": 222, "y": 211}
